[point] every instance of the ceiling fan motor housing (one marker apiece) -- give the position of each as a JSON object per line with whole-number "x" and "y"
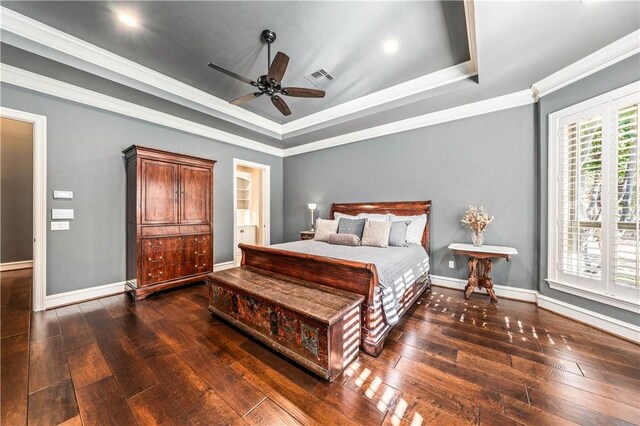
{"x": 268, "y": 36}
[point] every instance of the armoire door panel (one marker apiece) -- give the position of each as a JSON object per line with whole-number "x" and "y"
{"x": 159, "y": 202}
{"x": 195, "y": 187}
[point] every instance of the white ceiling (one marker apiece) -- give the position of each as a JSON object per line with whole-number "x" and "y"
{"x": 518, "y": 43}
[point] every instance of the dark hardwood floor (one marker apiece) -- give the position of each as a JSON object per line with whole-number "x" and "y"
{"x": 167, "y": 360}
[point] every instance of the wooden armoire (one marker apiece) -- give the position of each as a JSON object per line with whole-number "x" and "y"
{"x": 169, "y": 220}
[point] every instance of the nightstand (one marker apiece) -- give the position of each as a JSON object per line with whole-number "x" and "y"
{"x": 307, "y": 235}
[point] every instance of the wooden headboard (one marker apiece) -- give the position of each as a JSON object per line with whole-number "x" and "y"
{"x": 399, "y": 208}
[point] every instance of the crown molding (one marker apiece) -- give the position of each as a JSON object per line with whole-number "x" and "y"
{"x": 620, "y": 49}
{"x": 28, "y": 80}
{"x": 394, "y": 93}
{"x": 43, "y": 40}
{"x": 101, "y": 62}
{"x": 499, "y": 103}
{"x": 470, "y": 21}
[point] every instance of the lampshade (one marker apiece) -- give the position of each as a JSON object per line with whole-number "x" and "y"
{"x": 312, "y": 206}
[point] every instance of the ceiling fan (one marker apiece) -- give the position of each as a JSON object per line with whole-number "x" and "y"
{"x": 271, "y": 83}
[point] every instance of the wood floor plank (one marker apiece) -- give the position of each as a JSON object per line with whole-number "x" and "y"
{"x": 239, "y": 394}
{"x": 75, "y": 331}
{"x": 14, "y": 378}
{"x": 569, "y": 410}
{"x": 129, "y": 368}
{"x": 14, "y": 320}
{"x": 449, "y": 361}
{"x": 593, "y": 401}
{"x": 488, "y": 398}
{"x": 302, "y": 405}
{"x": 268, "y": 413}
{"x": 604, "y": 389}
{"x": 47, "y": 363}
{"x": 361, "y": 374}
{"x": 53, "y": 405}
{"x": 211, "y": 409}
{"x": 138, "y": 332}
{"x": 87, "y": 365}
{"x": 43, "y": 324}
{"x": 525, "y": 413}
{"x": 102, "y": 404}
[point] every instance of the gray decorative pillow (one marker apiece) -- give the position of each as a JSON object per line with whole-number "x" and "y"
{"x": 398, "y": 234}
{"x": 351, "y": 226}
{"x": 344, "y": 239}
{"x": 376, "y": 234}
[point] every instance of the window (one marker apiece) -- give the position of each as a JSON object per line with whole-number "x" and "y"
{"x": 594, "y": 237}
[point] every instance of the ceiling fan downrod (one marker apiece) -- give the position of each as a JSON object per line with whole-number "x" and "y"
{"x": 269, "y": 37}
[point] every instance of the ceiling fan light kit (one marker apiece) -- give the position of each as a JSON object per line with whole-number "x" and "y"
{"x": 270, "y": 84}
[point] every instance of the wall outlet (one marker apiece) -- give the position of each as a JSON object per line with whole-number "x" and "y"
{"x": 452, "y": 264}
{"x": 60, "y": 226}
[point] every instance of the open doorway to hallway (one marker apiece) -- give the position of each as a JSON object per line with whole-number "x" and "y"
{"x": 251, "y": 205}
{"x": 16, "y": 194}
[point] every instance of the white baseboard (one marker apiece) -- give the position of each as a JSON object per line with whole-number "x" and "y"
{"x": 223, "y": 265}
{"x": 82, "y": 295}
{"x": 12, "y": 266}
{"x": 603, "y": 322}
{"x": 515, "y": 293}
{"x": 610, "y": 325}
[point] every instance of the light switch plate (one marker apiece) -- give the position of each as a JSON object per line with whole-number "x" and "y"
{"x": 63, "y": 194}
{"x": 452, "y": 264}
{"x": 61, "y": 213}
{"x": 60, "y": 226}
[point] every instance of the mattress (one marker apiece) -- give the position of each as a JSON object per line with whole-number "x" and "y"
{"x": 398, "y": 267}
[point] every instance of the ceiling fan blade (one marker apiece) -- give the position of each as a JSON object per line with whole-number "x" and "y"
{"x": 278, "y": 67}
{"x": 281, "y": 105}
{"x": 302, "y": 92}
{"x": 233, "y": 74}
{"x": 245, "y": 98}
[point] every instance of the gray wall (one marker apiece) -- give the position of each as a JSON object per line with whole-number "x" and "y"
{"x": 84, "y": 155}
{"x": 16, "y": 170}
{"x": 617, "y": 75}
{"x": 488, "y": 160}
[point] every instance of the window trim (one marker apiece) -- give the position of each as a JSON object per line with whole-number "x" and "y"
{"x": 627, "y": 303}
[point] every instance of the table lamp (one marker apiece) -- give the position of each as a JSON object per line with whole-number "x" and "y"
{"x": 312, "y": 207}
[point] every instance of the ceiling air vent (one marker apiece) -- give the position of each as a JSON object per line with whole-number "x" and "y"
{"x": 320, "y": 78}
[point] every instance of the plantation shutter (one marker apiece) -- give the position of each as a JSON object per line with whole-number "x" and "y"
{"x": 580, "y": 184}
{"x": 624, "y": 197}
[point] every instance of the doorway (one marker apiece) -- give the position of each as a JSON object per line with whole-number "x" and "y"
{"x": 251, "y": 195}
{"x": 24, "y": 218}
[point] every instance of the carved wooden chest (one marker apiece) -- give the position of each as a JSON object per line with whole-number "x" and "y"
{"x": 314, "y": 325}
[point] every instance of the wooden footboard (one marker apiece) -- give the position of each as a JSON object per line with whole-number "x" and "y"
{"x": 356, "y": 277}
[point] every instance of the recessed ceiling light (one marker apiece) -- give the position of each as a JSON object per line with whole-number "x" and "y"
{"x": 390, "y": 46}
{"x": 128, "y": 20}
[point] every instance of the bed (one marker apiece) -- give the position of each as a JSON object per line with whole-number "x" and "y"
{"x": 357, "y": 276}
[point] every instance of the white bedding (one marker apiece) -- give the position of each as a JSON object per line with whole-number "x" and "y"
{"x": 398, "y": 267}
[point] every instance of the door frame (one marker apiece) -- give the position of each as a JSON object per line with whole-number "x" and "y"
{"x": 266, "y": 203}
{"x": 39, "y": 177}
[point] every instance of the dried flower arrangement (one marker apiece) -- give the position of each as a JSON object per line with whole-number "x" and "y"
{"x": 477, "y": 220}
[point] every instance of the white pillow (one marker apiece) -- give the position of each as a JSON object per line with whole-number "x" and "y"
{"x": 374, "y": 217}
{"x": 337, "y": 216}
{"x": 324, "y": 228}
{"x": 376, "y": 233}
{"x": 415, "y": 228}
